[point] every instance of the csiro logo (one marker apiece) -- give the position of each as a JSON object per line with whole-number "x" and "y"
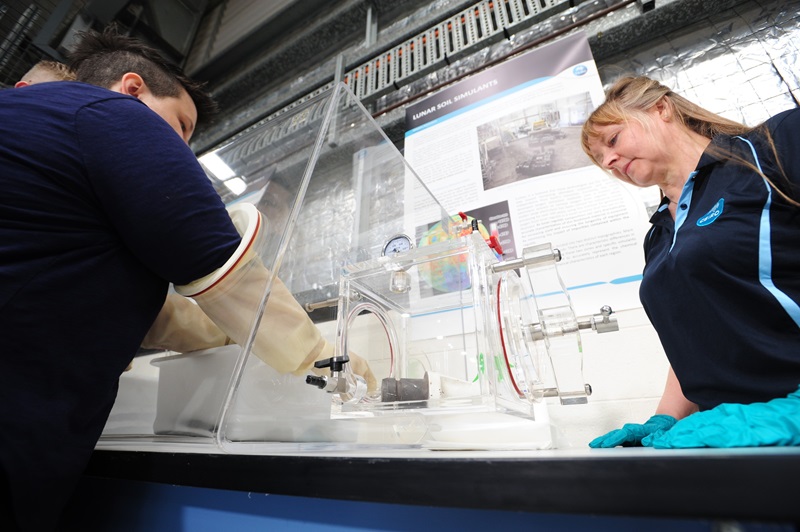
{"x": 715, "y": 212}
{"x": 580, "y": 70}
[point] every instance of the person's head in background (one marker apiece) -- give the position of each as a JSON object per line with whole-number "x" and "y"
{"x": 44, "y": 71}
{"x": 128, "y": 66}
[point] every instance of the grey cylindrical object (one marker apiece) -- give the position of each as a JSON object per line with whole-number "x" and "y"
{"x": 404, "y": 390}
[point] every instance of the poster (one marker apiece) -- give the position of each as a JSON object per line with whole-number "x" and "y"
{"x": 504, "y": 146}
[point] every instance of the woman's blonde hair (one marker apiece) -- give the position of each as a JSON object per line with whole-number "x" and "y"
{"x": 631, "y": 97}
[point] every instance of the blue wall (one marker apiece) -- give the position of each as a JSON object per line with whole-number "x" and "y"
{"x": 115, "y": 505}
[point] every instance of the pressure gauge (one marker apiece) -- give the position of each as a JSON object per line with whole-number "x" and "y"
{"x": 397, "y": 244}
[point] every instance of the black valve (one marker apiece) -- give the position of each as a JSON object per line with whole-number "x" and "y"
{"x": 319, "y": 382}
{"x": 335, "y": 363}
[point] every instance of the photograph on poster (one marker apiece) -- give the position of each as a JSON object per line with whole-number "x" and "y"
{"x": 446, "y": 277}
{"x": 537, "y": 140}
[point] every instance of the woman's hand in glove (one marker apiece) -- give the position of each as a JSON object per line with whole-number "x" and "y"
{"x": 774, "y": 423}
{"x": 632, "y": 434}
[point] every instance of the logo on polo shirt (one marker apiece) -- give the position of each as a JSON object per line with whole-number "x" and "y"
{"x": 715, "y": 212}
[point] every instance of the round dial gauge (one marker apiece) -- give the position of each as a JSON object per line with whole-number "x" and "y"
{"x": 397, "y": 244}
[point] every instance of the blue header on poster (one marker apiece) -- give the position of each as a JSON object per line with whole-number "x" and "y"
{"x": 473, "y": 105}
{"x": 503, "y": 79}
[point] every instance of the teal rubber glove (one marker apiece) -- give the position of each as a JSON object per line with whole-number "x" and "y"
{"x": 774, "y": 423}
{"x": 633, "y": 433}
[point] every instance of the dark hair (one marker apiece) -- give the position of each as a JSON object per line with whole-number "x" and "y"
{"x": 103, "y": 58}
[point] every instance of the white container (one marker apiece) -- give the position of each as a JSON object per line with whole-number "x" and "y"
{"x": 192, "y": 388}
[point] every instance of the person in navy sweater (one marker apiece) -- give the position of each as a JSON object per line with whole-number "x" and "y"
{"x": 721, "y": 282}
{"x": 103, "y": 205}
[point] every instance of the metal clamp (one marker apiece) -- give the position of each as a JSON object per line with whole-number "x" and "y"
{"x": 602, "y": 322}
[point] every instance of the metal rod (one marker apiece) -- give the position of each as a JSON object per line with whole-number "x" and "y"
{"x": 311, "y": 307}
{"x": 514, "y": 264}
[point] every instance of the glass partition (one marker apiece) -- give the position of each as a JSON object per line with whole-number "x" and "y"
{"x": 437, "y": 342}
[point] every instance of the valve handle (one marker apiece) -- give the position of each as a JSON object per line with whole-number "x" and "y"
{"x": 335, "y": 363}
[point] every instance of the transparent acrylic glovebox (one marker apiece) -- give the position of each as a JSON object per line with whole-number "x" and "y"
{"x": 462, "y": 344}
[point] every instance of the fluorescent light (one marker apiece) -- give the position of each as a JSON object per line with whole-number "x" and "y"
{"x": 235, "y": 185}
{"x": 217, "y": 166}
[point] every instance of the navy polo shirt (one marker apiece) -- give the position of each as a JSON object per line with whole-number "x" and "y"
{"x": 102, "y": 206}
{"x": 721, "y": 283}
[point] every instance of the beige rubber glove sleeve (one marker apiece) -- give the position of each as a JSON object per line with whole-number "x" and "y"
{"x": 286, "y": 339}
{"x": 182, "y": 326}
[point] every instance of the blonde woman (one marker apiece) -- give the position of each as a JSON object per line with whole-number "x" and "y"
{"x": 721, "y": 283}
